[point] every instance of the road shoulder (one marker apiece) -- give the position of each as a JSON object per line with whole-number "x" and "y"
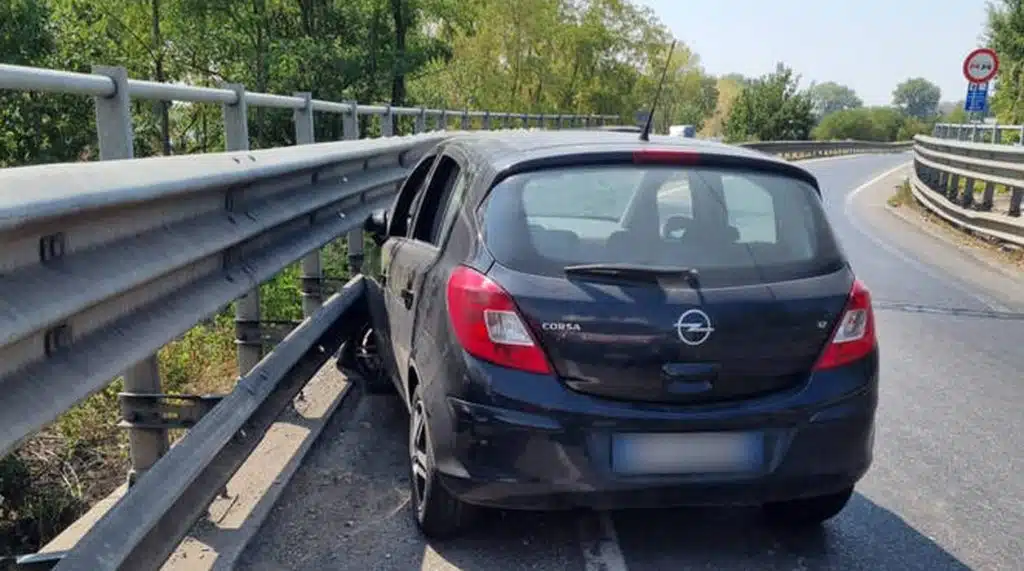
{"x": 976, "y": 265}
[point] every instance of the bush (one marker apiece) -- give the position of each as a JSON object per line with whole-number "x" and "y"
{"x": 869, "y": 124}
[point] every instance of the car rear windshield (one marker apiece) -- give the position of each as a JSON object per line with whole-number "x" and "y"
{"x": 733, "y": 226}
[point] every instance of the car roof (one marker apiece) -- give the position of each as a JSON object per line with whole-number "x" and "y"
{"x": 502, "y": 149}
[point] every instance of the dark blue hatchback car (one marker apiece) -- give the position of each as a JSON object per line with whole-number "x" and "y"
{"x": 585, "y": 319}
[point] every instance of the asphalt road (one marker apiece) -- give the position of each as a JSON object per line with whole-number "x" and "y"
{"x": 945, "y": 492}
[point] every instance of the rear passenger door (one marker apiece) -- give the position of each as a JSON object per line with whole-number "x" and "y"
{"x": 417, "y": 253}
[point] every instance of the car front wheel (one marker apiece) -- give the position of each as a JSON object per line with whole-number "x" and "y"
{"x": 806, "y": 512}
{"x": 438, "y": 513}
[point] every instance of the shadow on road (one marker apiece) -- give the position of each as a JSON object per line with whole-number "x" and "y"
{"x": 864, "y": 536}
{"x": 347, "y": 509}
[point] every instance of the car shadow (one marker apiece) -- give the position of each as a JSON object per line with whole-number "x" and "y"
{"x": 348, "y": 509}
{"x": 865, "y": 536}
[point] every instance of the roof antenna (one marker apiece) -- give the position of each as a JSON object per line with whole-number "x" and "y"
{"x": 645, "y": 135}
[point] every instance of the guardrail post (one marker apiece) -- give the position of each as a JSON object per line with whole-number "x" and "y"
{"x": 1016, "y": 197}
{"x": 486, "y": 121}
{"x": 465, "y": 120}
{"x": 354, "y": 240}
{"x": 526, "y": 121}
{"x": 506, "y": 121}
{"x": 987, "y": 199}
{"x": 387, "y": 123}
{"x": 968, "y": 197}
{"x": 442, "y": 120}
{"x": 350, "y": 122}
{"x": 114, "y": 117}
{"x": 114, "y": 128}
{"x": 248, "y": 338}
{"x": 421, "y": 120}
{"x": 311, "y": 286}
{"x": 145, "y": 445}
{"x": 953, "y": 189}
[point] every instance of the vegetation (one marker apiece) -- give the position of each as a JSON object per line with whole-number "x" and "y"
{"x": 771, "y": 108}
{"x": 1004, "y": 30}
{"x": 869, "y": 124}
{"x": 537, "y": 56}
{"x": 829, "y": 97}
{"x": 903, "y": 196}
{"x": 917, "y": 97}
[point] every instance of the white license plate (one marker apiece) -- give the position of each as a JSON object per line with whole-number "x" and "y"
{"x": 687, "y": 453}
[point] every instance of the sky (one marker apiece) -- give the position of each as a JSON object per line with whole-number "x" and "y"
{"x": 868, "y": 45}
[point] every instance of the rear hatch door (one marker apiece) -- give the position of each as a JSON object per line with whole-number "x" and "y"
{"x": 669, "y": 283}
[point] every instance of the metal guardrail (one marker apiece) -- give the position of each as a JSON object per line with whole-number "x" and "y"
{"x": 946, "y": 174}
{"x": 812, "y": 149}
{"x": 980, "y": 132}
{"x": 103, "y": 263}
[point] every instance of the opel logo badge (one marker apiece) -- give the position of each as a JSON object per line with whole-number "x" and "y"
{"x": 694, "y": 327}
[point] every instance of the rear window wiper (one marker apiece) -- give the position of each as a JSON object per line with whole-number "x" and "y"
{"x": 634, "y": 271}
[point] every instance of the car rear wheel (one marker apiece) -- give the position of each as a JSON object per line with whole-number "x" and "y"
{"x": 805, "y": 512}
{"x": 438, "y": 513}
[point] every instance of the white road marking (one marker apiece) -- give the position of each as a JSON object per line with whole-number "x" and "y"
{"x": 905, "y": 258}
{"x": 601, "y": 551}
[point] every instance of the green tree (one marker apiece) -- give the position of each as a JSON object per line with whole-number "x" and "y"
{"x": 561, "y": 56}
{"x": 869, "y": 124}
{"x": 917, "y": 97}
{"x": 771, "y": 108}
{"x": 729, "y": 88}
{"x": 830, "y": 97}
{"x": 38, "y": 127}
{"x": 1005, "y": 34}
{"x": 855, "y": 124}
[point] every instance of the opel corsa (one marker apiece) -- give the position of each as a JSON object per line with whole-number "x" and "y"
{"x": 588, "y": 320}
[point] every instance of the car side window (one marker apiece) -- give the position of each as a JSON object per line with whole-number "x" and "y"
{"x": 431, "y": 202}
{"x": 409, "y": 198}
{"x": 452, "y": 205}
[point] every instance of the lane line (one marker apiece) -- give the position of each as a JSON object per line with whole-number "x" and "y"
{"x": 600, "y": 543}
{"x": 903, "y": 256}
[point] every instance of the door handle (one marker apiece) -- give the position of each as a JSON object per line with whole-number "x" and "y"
{"x": 407, "y": 297}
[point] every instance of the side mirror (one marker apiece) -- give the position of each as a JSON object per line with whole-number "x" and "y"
{"x": 377, "y": 226}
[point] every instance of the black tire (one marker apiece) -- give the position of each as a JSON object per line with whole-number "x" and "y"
{"x": 359, "y": 358}
{"x": 438, "y": 513}
{"x": 808, "y": 512}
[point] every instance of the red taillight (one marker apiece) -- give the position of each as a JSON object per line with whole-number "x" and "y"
{"x": 665, "y": 157}
{"x": 488, "y": 324}
{"x": 854, "y": 337}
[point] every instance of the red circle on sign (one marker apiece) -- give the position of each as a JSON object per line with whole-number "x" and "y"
{"x": 991, "y": 73}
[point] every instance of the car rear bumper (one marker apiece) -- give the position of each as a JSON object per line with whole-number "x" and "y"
{"x": 557, "y": 454}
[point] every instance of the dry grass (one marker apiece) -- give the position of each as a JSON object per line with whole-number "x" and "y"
{"x": 1004, "y": 254}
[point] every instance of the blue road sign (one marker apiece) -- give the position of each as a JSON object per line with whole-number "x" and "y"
{"x": 977, "y": 98}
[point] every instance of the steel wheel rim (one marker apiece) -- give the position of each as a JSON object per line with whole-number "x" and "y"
{"x": 418, "y": 456}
